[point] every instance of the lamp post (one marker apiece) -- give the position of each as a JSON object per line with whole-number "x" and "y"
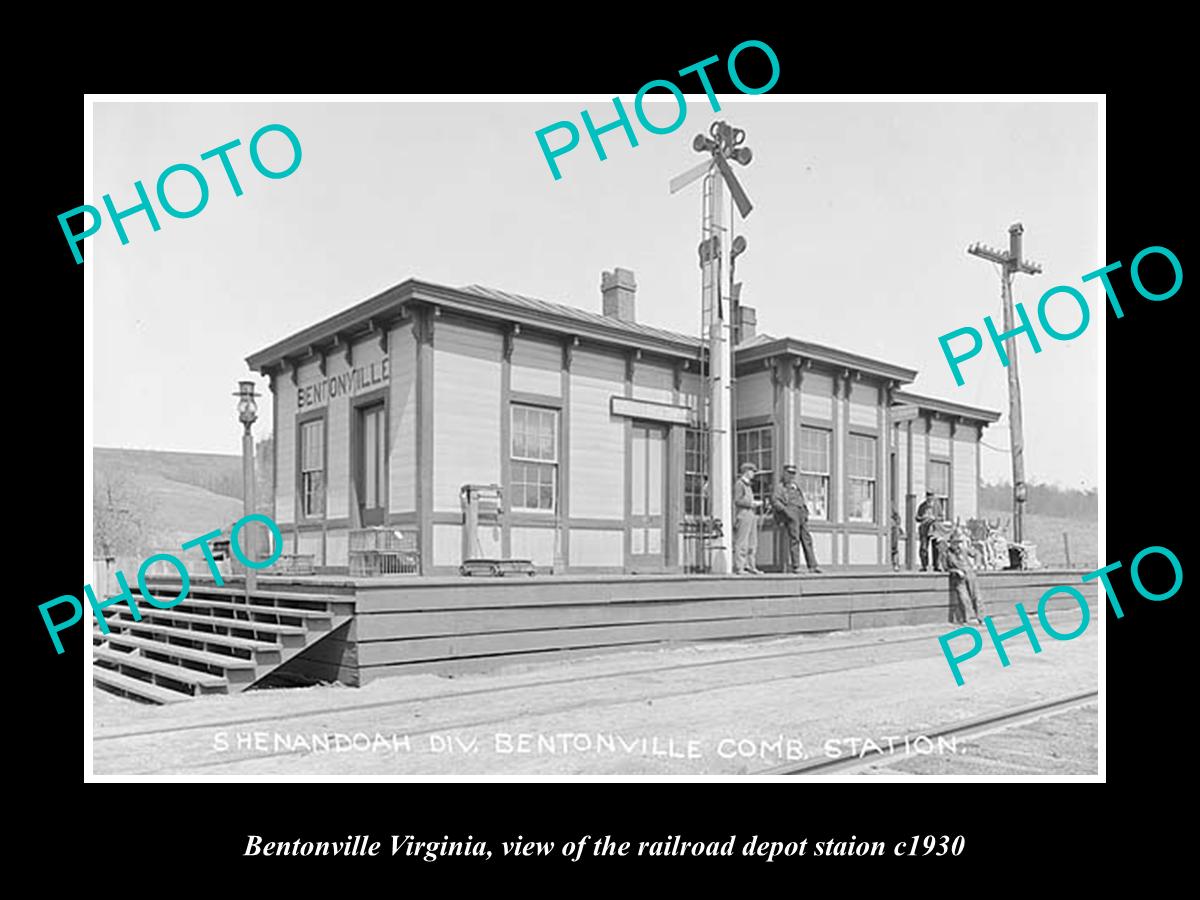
{"x": 247, "y": 414}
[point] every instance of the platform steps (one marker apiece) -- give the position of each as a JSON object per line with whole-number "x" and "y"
{"x": 213, "y": 642}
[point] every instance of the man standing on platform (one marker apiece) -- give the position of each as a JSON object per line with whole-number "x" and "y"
{"x": 791, "y": 513}
{"x": 926, "y": 518}
{"x": 745, "y": 522}
{"x": 964, "y": 587}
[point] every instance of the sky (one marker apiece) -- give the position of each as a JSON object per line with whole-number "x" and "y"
{"x": 862, "y": 216}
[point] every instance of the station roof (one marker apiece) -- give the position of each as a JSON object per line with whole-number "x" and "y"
{"x": 946, "y": 407}
{"x": 475, "y": 300}
{"x": 555, "y": 318}
{"x": 763, "y": 346}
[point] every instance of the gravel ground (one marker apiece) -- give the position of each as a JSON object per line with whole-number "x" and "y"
{"x": 1058, "y": 744}
{"x": 717, "y": 708}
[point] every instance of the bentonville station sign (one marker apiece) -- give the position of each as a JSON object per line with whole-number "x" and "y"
{"x": 347, "y": 384}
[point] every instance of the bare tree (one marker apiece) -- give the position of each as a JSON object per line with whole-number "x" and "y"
{"x": 118, "y": 507}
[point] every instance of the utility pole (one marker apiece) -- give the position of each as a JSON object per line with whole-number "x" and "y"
{"x": 1010, "y": 263}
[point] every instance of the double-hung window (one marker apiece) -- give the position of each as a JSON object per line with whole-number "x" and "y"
{"x": 860, "y": 478}
{"x": 534, "y": 455}
{"x": 312, "y": 469}
{"x": 757, "y": 445}
{"x": 695, "y": 474}
{"x": 814, "y": 470}
{"x": 939, "y": 483}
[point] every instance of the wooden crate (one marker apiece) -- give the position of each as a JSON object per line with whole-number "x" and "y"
{"x": 364, "y": 563}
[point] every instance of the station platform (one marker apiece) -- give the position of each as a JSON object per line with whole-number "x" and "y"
{"x": 354, "y": 630}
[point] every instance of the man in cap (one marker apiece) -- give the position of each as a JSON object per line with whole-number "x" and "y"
{"x": 927, "y": 514}
{"x": 745, "y": 522}
{"x": 964, "y": 588}
{"x": 791, "y": 512}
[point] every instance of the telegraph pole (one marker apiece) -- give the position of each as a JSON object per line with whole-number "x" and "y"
{"x": 1010, "y": 263}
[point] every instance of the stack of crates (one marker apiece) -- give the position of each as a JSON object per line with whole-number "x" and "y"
{"x": 383, "y": 551}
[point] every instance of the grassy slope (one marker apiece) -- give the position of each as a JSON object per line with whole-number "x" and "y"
{"x": 166, "y": 497}
{"x": 216, "y": 472}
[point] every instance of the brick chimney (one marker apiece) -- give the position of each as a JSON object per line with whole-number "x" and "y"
{"x": 747, "y": 324}
{"x": 618, "y": 290}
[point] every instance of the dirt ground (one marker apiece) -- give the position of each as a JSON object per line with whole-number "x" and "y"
{"x": 1059, "y": 744}
{"x": 715, "y": 708}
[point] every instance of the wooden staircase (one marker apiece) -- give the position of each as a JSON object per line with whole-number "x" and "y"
{"x": 211, "y": 643}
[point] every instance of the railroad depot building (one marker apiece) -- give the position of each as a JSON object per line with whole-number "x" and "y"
{"x": 587, "y": 422}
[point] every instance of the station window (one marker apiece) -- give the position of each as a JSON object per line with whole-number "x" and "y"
{"x": 757, "y": 445}
{"x": 860, "y": 475}
{"x": 695, "y": 475}
{"x": 939, "y": 483}
{"x": 312, "y": 469}
{"x": 534, "y": 458}
{"x": 814, "y": 470}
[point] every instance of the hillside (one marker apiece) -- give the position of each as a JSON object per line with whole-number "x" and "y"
{"x": 148, "y": 500}
{"x": 218, "y": 473}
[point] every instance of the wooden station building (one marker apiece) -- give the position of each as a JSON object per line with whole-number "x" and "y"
{"x": 587, "y": 421}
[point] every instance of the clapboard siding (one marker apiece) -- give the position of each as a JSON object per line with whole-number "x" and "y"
{"x": 312, "y": 542}
{"x": 966, "y": 479}
{"x": 285, "y": 451}
{"x": 822, "y": 546}
{"x": 402, "y": 417}
{"x": 466, "y": 411}
{"x": 755, "y": 395}
{"x": 534, "y": 544}
{"x": 447, "y": 545}
{"x": 597, "y": 440}
{"x": 689, "y": 389}
{"x": 864, "y": 549}
{"x": 654, "y": 382}
{"x": 939, "y": 439}
{"x": 597, "y": 548}
{"x": 918, "y": 463}
{"x": 864, "y": 405}
{"x": 337, "y": 460}
{"x": 536, "y": 366}
{"x": 816, "y": 395}
{"x": 337, "y": 547}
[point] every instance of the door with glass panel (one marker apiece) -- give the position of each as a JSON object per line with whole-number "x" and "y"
{"x": 647, "y": 544}
{"x": 371, "y": 464}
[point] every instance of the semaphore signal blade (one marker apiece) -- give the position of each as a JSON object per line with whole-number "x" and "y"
{"x": 739, "y": 196}
{"x": 683, "y": 180}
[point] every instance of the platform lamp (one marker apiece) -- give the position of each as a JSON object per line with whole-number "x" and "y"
{"x": 247, "y": 415}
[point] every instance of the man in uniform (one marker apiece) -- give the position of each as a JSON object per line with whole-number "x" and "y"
{"x": 926, "y": 517}
{"x": 745, "y": 522}
{"x": 791, "y": 512}
{"x": 964, "y": 588}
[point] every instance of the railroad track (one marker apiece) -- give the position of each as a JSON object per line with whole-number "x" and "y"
{"x": 521, "y": 686}
{"x": 973, "y": 727}
{"x": 443, "y": 727}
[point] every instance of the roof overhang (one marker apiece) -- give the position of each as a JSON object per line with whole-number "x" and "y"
{"x": 947, "y": 408}
{"x": 829, "y": 356}
{"x": 393, "y": 304}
